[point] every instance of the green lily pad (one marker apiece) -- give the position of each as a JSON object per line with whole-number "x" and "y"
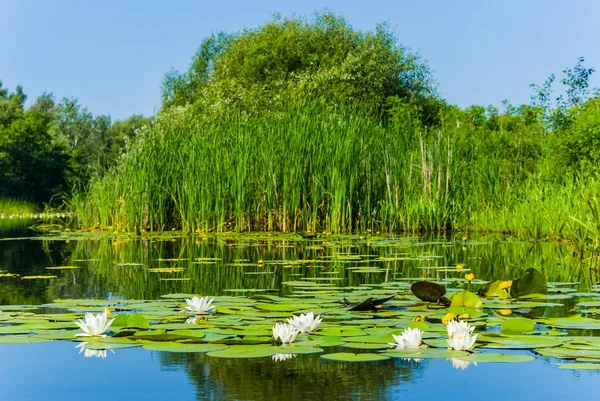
{"x": 350, "y": 357}
{"x": 131, "y": 320}
{"x": 245, "y": 351}
{"x": 466, "y": 299}
{"x": 10, "y": 339}
{"x": 179, "y": 347}
{"x": 426, "y": 353}
{"x": 579, "y": 366}
{"x": 497, "y": 358}
{"x": 517, "y": 325}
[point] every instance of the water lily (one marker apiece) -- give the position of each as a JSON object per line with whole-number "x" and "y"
{"x": 285, "y": 332}
{"x": 191, "y": 320}
{"x": 94, "y": 325}
{"x": 469, "y": 276}
{"x": 459, "y": 335}
{"x": 460, "y": 364}
{"x": 199, "y": 305}
{"x": 305, "y": 323}
{"x": 505, "y": 284}
{"x": 282, "y": 357}
{"x": 461, "y": 341}
{"x": 410, "y": 338}
{"x": 459, "y": 326}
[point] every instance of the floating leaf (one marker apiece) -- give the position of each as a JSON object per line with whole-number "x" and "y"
{"x": 531, "y": 282}
{"x": 179, "y": 347}
{"x": 466, "y": 299}
{"x": 497, "y": 358}
{"x": 579, "y": 366}
{"x": 517, "y": 325}
{"x": 349, "y": 357}
{"x": 131, "y": 320}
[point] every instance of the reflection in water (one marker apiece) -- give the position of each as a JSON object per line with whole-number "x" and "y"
{"x": 300, "y": 378}
{"x": 91, "y": 353}
{"x": 460, "y": 364}
{"x": 220, "y": 265}
{"x": 282, "y": 357}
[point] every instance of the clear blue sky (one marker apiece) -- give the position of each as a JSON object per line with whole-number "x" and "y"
{"x": 112, "y": 54}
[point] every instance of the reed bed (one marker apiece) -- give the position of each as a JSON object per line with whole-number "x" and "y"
{"x": 318, "y": 167}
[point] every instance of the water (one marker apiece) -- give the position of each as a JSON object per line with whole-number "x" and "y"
{"x": 117, "y": 268}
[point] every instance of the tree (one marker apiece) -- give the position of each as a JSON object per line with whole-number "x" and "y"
{"x": 296, "y": 58}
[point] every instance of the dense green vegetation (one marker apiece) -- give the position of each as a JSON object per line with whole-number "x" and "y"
{"x": 307, "y": 124}
{"x": 50, "y": 148}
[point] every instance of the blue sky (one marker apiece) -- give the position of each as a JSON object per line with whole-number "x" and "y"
{"x": 112, "y": 54}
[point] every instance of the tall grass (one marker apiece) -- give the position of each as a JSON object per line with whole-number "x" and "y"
{"x": 314, "y": 167}
{"x": 13, "y": 206}
{"x": 318, "y": 167}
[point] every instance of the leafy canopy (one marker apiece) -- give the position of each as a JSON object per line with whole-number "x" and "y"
{"x": 287, "y": 58}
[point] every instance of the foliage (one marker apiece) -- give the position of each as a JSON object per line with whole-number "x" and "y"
{"x": 288, "y": 58}
{"x": 46, "y": 149}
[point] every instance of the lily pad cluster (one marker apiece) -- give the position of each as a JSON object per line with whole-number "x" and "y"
{"x": 468, "y": 329}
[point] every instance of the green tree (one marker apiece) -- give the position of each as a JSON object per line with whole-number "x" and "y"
{"x": 295, "y": 58}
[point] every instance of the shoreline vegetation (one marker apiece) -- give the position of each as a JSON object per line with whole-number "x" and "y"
{"x": 305, "y": 124}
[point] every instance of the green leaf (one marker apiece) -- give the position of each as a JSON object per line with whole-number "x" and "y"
{"x": 179, "y": 347}
{"x": 427, "y": 353}
{"x": 579, "y": 366}
{"x": 466, "y": 299}
{"x": 349, "y": 357}
{"x": 131, "y": 320}
{"x": 531, "y": 282}
{"x": 493, "y": 290}
{"x": 517, "y": 325}
{"x": 497, "y": 358}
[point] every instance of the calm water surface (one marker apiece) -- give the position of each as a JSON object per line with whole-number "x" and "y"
{"x": 117, "y": 268}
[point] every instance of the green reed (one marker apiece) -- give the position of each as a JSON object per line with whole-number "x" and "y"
{"x": 319, "y": 167}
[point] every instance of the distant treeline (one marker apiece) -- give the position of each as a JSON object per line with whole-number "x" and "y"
{"x": 52, "y": 148}
{"x": 308, "y": 124}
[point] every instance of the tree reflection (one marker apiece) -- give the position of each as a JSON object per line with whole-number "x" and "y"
{"x": 301, "y": 378}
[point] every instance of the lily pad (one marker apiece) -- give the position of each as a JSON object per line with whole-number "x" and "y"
{"x": 497, "y": 358}
{"x": 350, "y": 357}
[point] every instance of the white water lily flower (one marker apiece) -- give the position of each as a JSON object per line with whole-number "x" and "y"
{"x": 410, "y": 338}
{"x": 286, "y": 333}
{"x": 461, "y": 341}
{"x": 305, "y": 323}
{"x": 455, "y": 326}
{"x": 94, "y": 325}
{"x": 460, "y": 364}
{"x": 191, "y": 320}
{"x": 199, "y": 305}
{"x": 282, "y": 357}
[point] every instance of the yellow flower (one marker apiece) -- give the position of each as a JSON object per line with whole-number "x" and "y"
{"x": 464, "y": 238}
{"x": 505, "y": 284}
{"x": 464, "y": 316}
{"x": 505, "y": 312}
{"x": 459, "y": 267}
{"x": 469, "y": 277}
{"x": 450, "y": 316}
{"x": 464, "y": 248}
{"x": 419, "y": 318}
{"x": 260, "y": 262}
